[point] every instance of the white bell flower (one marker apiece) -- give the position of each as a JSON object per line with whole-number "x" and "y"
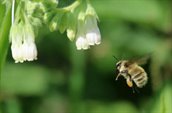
{"x": 23, "y": 43}
{"x": 29, "y": 51}
{"x": 82, "y": 43}
{"x": 89, "y": 33}
{"x": 29, "y": 47}
{"x": 92, "y": 31}
{"x": 16, "y": 35}
{"x": 17, "y": 53}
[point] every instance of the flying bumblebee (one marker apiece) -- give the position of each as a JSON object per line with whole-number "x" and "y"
{"x": 132, "y": 72}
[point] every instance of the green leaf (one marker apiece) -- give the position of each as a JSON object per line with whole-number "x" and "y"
{"x": 4, "y": 36}
{"x": 164, "y": 101}
{"x": 2, "y": 12}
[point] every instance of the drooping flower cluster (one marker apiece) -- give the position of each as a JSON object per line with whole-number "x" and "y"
{"x": 22, "y": 35}
{"x": 88, "y": 33}
{"x": 80, "y": 23}
{"x": 23, "y": 42}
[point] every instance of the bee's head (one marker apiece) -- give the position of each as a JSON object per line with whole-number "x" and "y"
{"x": 122, "y": 65}
{"x": 118, "y": 65}
{"x": 121, "y": 68}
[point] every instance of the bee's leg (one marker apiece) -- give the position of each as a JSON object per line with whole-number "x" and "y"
{"x": 133, "y": 89}
{"x": 130, "y": 83}
{"x": 118, "y": 76}
{"x": 136, "y": 89}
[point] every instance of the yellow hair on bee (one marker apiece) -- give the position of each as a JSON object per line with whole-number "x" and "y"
{"x": 129, "y": 82}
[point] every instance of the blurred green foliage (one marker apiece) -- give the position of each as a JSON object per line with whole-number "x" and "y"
{"x": 64, "y": 80}
{"x": 16, "y": 83}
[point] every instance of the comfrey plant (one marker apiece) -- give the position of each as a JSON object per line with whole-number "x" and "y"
{"x": 88, "y": 33}
{"x": 79, "y": 20}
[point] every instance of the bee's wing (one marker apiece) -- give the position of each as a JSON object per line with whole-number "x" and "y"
{"x": 142, "y": 60}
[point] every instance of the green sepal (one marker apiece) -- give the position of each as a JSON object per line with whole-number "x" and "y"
{"x": 90, "y": 11}
{"x": 32, "y": 13}
{"x": 49, "y": 5}
{"x": 48, "y": 17}
{"x": 63, "y": 22}
{"x": 71, "y": 30}
{"x": 54, "y": 23}
{"x": 49, "y": 10}
{"x": 81, "y": 16}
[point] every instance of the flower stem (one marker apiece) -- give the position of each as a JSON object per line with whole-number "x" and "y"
{"x": 12, "y": 12}
{"x": 76, "y": 79}
{"x": 72, "y": 6}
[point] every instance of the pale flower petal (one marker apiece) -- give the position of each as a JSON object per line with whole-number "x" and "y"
{"x": 93, "y": 37}
{"x": 23, "y": 43}
{"x": 81, "y": 43}
{"x": 29, "y": 51}
{"x": 92, "y": 31}
{"x": 17, "y": 53}
{"x": 88, "y": 33}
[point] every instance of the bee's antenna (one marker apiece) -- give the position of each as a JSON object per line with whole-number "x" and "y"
{"x": 115, "y": 58}
{"x": 123, "y": 56}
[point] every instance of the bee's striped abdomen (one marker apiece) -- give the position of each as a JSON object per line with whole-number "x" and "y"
{"x": 140, "y": 79}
